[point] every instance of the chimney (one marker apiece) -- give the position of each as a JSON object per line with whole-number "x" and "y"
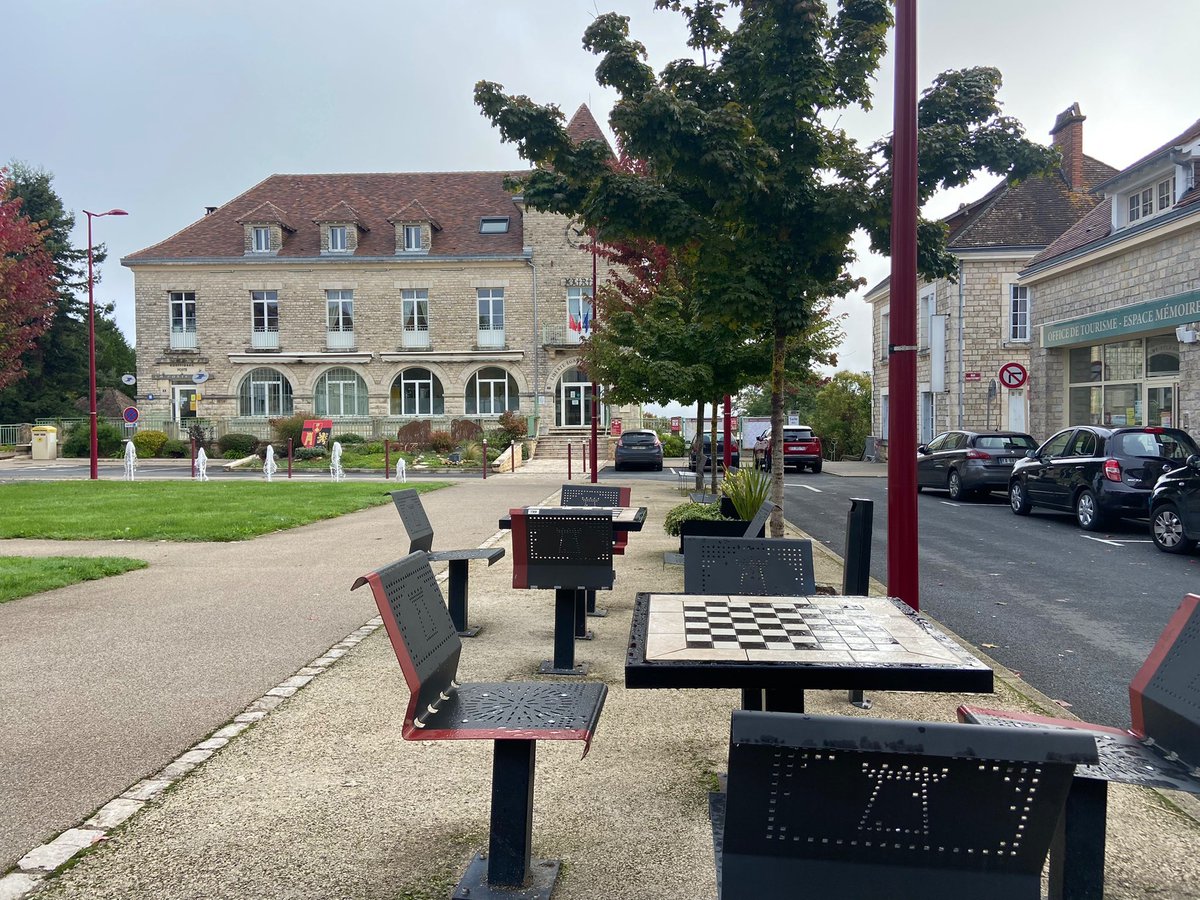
{"x": 209, "y": 210}
{"x": 1067, "y": 135}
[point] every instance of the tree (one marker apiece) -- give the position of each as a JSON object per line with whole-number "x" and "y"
{"x": 26, "y": 285}
{"x": 57, "y": 366}
{"x": 842, "y": 413}
{"x": 744, "y": 166}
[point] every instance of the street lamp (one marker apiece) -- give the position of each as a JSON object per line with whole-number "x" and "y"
{"x": 92, "y": 339}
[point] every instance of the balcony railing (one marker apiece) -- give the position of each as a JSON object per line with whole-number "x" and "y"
{"x": 418, "y": 338}
{"x": 490, "y": 337}
{"x": 265, "y": 338}
{"x": 339, "y": 340}
{"x": 559, "y": 336}
{"x": 183, "y": 337}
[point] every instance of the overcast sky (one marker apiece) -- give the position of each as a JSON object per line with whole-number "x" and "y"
{"x": 165, "y": 108}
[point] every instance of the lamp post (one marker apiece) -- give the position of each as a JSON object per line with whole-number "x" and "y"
{"x": 92, "y": 339}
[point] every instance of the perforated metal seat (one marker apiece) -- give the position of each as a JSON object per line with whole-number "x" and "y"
{"x": 420, "y": 537}
{"x": 512, "y": 714}
{"x": 778, "y": 567}
{"x": 855, "y": 807}
{"x": 753, "y": 530}
{"x": 597, "y": 495}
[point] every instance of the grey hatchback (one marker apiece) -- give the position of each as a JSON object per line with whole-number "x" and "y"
{"x": 638, "y": 448}
{"x": 969, "y": 462}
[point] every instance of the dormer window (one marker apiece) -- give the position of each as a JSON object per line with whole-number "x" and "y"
{"x": 1151, "y": 200}
{"x": 337, "y": 238}
{"x": 262, "y": 239}
{"x": 493, "y": 225}
{"x": 412, "y": 239}
{"x": 414, "y": 226}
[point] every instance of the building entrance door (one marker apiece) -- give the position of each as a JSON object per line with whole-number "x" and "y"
{"x": 186, "y": 399}
{"x": 1016, "y": 410}
{"x": 576, "y": 404}
{"x": 1160, "y": 406}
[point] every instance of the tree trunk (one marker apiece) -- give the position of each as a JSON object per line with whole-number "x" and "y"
{"x": 700, "y": 448}
{"x": 777, "y": 363}
{"x": 712, "y": 446}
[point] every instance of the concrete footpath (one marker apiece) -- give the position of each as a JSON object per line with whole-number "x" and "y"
{"x": 309, "y": 790}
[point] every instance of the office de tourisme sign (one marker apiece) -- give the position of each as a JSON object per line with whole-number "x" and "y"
{"x": 1179, "y": 309}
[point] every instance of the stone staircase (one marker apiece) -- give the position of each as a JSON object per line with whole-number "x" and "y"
{"x": 553, "y": 445}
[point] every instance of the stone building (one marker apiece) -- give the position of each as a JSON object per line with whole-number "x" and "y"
{"x": 1116, "y": 300}
{"x": 371, "y": 299}
{"x": 971, "y": 326}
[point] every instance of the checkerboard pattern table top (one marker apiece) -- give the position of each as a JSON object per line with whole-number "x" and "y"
{"x": 683, "y": 640}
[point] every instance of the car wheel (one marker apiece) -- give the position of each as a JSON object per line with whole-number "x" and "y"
{"x": 955, "y": 486}
{"x": 1167, "y": 530}
{"x": 816, "y": 467}
{"x": 1018, "y": 499}
{"x": 1087, "y": 511}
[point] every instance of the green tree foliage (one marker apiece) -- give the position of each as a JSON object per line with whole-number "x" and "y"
{"x": 841, "y": 414}
{"x": 26, "y": 285}
{"x": 56, "y": 367}
{"x": 744, "y": 172}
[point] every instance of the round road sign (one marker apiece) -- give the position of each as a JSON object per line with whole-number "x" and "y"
{"x": 130, "y": 414}
{"x": 1013, "y": 375}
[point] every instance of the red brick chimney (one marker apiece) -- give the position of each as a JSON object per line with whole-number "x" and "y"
{"x": 1067, "y": 135}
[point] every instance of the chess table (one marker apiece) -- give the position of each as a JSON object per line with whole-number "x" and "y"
{"x": 786, "y": 645}
{"x": 624, "y": 518}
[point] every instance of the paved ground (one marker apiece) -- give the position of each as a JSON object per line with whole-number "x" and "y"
{"x": 323, "y": 799}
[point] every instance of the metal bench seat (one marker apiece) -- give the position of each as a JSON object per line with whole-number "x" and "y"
{"x": 513, "y": 715}
{"x": 598, "y": 495}
{"x": 753, "y": 530}
{"x": 491, "y": 554}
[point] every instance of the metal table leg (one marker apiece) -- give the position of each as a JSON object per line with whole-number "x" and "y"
{"x": 581, "y": 629}
{"x": 1077, "y": 852}
{"x": 564, "y": 636}
{"x": 457, "y": 600}
{"x": 784, "y": 700}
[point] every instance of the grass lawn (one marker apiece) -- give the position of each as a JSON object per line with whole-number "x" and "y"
{"x": 21, "y": 576}
{"x": 179, "y": 510}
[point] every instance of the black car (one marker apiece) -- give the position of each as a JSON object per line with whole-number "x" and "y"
{"x": 1175, "y": 508}
{"x": 1098, "y": 473}
{"x": 638, "y": 448}
{"x": 967, "y": 463}
{"x": 735, "y": 457}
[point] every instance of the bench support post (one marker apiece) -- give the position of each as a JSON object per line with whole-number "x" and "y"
{"x": 581, "y": 629}
{"x": 784, "y": 700}
{"x": 511, "y": 839}
{"x": 566, "y": 600}
{"x": 1077, "y": 853}
{"x": 457, "y": 597}
{"x": 592, "y": 609}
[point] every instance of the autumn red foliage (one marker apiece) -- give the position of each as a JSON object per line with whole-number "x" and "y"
{"x": 27, "y": 285}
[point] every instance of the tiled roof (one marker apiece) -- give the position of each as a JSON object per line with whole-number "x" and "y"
{"x": 1032, "y": 213}
{"x": 1189, "y": 134}
{"x": 266, "y": 213}
{"x": 455, "y": 199}
{"x": 414, "y": 211}
{"x": 340, "y": 212}
{"x": 1095, "y": 225}
{"x": 583, "y": 127}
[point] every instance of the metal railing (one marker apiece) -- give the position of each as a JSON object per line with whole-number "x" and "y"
{"x": 415, "y": 338}
{"x": 490, "y": 338}
{"x": 559, "y": 336}
{"x": 15, "y": 434}
{"x": 339, "y": 340}
{"x": 184, "y": 338}
{"x": 265, "y": 338}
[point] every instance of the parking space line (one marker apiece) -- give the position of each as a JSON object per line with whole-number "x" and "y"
{"x": 809, "y": 487}
{"x": 1101, "y": 540}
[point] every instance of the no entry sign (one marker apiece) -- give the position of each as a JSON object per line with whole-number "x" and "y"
{"x": 1013, "y": 375}
{"x": 130, "y": 414}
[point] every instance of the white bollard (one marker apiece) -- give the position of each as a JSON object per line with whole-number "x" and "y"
{"x": 269, "y": 466}
{"x": 201, "y": 465}
{"x": 130, "y": 461}
{"x": 401, "y": 470}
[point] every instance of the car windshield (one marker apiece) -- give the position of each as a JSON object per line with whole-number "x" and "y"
{"x": 1164, "y": 444}
{"x": 637, "y": 439}
{"x": 1005, "y": 442}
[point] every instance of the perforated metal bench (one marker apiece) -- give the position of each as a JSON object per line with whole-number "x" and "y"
{"x": 420, "y": 537}
{"x": 753, "y": 530}
{"x": 853, "y": 808}
{"x": 1161, "y": 749}
{"x": 512, "y": 714}
{"x": 568, "y": 551}
{"x": 597, "y": 495}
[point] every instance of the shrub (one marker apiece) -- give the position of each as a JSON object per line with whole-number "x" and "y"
{"x": 310, "y": 453}
{"x": 747, "y": 489}
{"x": 688, "y": 511}
{"x": 288, "y": 427}
{"x": 513, "y": 425}
{"x": 149, "y": 443}
{"x": 109, "y": 440}
{"x": 175, "y": 449}
{"x": 673, "y": 445}
{"x": 200, "y": 436}
{"x": 373, "y": 447}
{"x": 350, "y": 438}
{"x": 441, "y": 441}
{"x": 237, "y": 443}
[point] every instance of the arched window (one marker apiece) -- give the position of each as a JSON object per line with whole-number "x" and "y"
{"x": 340, "y": 392}
{"x": 490, "y": 392}
{"x": 265, "y": 392}
{"x": 417, "y": 392}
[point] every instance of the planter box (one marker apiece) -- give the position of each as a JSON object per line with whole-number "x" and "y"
{"x": 714, "y": 528}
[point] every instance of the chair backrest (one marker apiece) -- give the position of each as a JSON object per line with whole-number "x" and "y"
{"x": 562, "y": 548}
{"x": 416, "y": 523}
{"x": 859, "y": 807}
{"x": 759, "y": 522}
{"x": 419, "y": 627}
{"x": 1164, "y": 696}
{"x": 594, "y": 495}
{"x": 722, "y": 565}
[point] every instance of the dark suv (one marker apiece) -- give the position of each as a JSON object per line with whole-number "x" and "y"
{"x": 638, "y": 448}
{"x": 1175, "y": 508}
{"x": 734, "y": 460}
{"x": 1097, "y": 473}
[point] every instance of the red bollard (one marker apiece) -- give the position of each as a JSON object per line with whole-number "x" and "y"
{"x": 387, "y": 460}
{"x": 193, "y": 458}
{"x": 512, "y": 455}
{"x": 568, "y": 462}
{"x": 485, "y": 462}
{"x": 583, "y": 453}
{"x": 290, "y": 442}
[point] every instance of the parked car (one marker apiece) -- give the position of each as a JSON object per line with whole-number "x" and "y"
{"x": 1098, "y": 473}
{"x": 735, "y": 459}
{"x": 800, "y": 448}
{"x": 638, "y": 448}
{"x": 966, "y": 463}
{"x": 1175, "y": 508}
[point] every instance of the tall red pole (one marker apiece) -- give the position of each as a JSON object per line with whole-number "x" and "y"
{"x": 92, "y": 359}
{"x": 727, "y": 437}
{"x": 903, "y": 569}
{"x": 595, "y": 391}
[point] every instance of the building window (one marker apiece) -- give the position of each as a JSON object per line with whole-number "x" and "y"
{"x": 490, "y": 392}
{"x": 1143, "y": 203}
{"x": 264, "y": 393}
{"x": 340, "y": 392}
{"x": 183, "y": 320}
{"x": 493, "y": 225}
{"x": 1129, "y": 382}
{"x": 885, "y": 329}
{"x": 265, "y": 319}
{"x": 340, "y": 309}
{"x": 414, "y": 308}
{"x": 884, "y": 423}
{"x": 262, "y": 239}
{"x": 1018, "y": 312}
{"x": 337, "y": 238}
{"x": 491, "y": 316}
{"x": 579, "y": 313}
{"x": 412, "y": 239}
{"x": 925, "y": 308}
{"x": 417, "y": 392}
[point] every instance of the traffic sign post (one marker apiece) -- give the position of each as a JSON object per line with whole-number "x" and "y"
{"x": 1013, "y": 375}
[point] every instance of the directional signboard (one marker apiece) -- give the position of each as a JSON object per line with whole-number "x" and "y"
{"x": 1013, "y": 375}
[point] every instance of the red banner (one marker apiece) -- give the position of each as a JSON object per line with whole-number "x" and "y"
{"x": 316, "y": 432}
